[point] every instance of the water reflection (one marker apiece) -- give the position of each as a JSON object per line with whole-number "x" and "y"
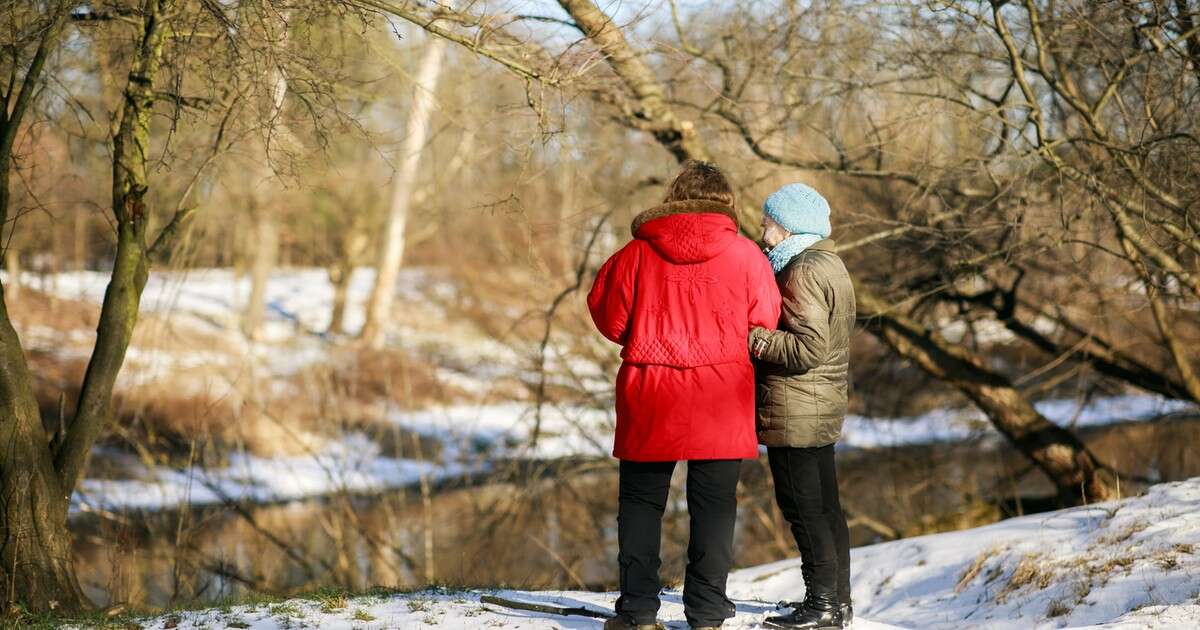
{"x": 554, "y": 527}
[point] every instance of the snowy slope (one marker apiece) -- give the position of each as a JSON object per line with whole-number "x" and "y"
{"x": 1127, "y": 564}
{"x": 1132, "y": 563}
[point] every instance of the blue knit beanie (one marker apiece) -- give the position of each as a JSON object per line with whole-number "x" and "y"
{"x": 799, "y": 209}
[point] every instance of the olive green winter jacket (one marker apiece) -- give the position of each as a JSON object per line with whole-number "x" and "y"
{"x": 802, "y": 369}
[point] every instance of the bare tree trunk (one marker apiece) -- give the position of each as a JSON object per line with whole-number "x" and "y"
{"x": 675, "y": 135}
{"x": 566, "y": 208}
{"x": 266, "y": 228}
{"x": 339, "y": 277}
{"x": 79, "y": 246}
{"x": 12, "y": 268}
{"x": 391, "y": 253}
{"x": 341, "y": 272}
{"x": 266, "y": 250}
{"x": 36, "y": 566}
{"x": 37, "y": 473}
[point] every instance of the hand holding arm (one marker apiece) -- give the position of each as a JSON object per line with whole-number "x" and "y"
{"x": 803, "y": 342}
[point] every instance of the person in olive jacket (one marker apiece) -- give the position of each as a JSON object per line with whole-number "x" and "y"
{"x": 802, "y": 382}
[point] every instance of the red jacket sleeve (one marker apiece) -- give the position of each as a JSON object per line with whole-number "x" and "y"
{"x": 611, "y": 298}
{"x": 764, "y": 294}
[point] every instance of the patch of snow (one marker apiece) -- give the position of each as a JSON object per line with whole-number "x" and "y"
{"x": 945, "y": 425}
{"x": 352, "y": 464}
{"x": 990, "y": 331}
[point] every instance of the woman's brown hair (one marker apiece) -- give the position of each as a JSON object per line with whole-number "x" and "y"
{"x": 700, "y": 180}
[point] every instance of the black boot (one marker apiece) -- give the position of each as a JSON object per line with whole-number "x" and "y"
{"x": 847, "y": 611}
{"x": 819, "y": 612}
{"x": 621, "y": 622}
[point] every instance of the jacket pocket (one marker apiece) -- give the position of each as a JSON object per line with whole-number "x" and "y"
{"x": 770, "y": 403}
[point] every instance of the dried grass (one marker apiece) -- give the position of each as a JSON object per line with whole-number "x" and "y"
{"x": 1033, "y": 570}
{"x": 976, "y": 567}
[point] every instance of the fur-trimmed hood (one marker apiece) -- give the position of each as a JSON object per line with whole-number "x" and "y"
{"x": 687, "y": 232}
{"x": 690, "y": 206}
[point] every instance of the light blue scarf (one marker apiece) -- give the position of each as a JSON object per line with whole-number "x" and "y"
{"x": 789, "y": 248}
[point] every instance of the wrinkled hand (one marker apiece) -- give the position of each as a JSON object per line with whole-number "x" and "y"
{"x": 758, "y": 341}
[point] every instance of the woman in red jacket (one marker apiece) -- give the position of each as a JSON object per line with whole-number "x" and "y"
{"x": 680, "y": 299}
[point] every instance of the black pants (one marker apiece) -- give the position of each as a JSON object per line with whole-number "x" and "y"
{"x": 712, "y": 508}
{"x": 807, "y": 492}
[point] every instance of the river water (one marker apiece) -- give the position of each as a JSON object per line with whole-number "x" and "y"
{"x": 553, "y": 525}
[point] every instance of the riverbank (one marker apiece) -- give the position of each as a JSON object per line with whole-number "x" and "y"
{"x": 1128, "y": 563}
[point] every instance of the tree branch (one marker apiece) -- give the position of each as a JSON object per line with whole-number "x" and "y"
{"x": 429, "y": 23}
{"x": 1181, "y": 358}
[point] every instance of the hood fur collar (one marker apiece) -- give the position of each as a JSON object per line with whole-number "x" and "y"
{"x": 691, "y": 206}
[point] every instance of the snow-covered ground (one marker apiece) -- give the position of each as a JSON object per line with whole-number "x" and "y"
{"x": 1131, "y": 564}
{"x": 1123, "y": 564}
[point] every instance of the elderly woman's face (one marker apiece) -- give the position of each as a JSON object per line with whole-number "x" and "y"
{"x": 773, "y": 233}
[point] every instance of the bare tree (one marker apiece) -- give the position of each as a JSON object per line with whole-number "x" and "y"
{"x": 391, "y": 246}
{"x": 161, "y": 41}
{"x": 824, "y": 100}
{"x": 275, "y": 139}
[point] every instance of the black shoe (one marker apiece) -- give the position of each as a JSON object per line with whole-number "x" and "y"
{"x": 817, "y": 613}
{"x": 620, "y": 622}
{"x": 847, "y": 615}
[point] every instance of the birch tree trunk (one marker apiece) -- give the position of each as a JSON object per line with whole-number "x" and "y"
{"x": 266, "y": 223}
{"x": 391, "y": 252}
{"x": 266, "y": 250}
{"x": 341, "y": 272}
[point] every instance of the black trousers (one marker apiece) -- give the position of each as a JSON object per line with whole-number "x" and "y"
{"x": 807, "y": 492}
{"x": 712, "y": 509}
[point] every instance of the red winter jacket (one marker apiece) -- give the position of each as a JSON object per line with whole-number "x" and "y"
{"x": 681, "y": 298}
